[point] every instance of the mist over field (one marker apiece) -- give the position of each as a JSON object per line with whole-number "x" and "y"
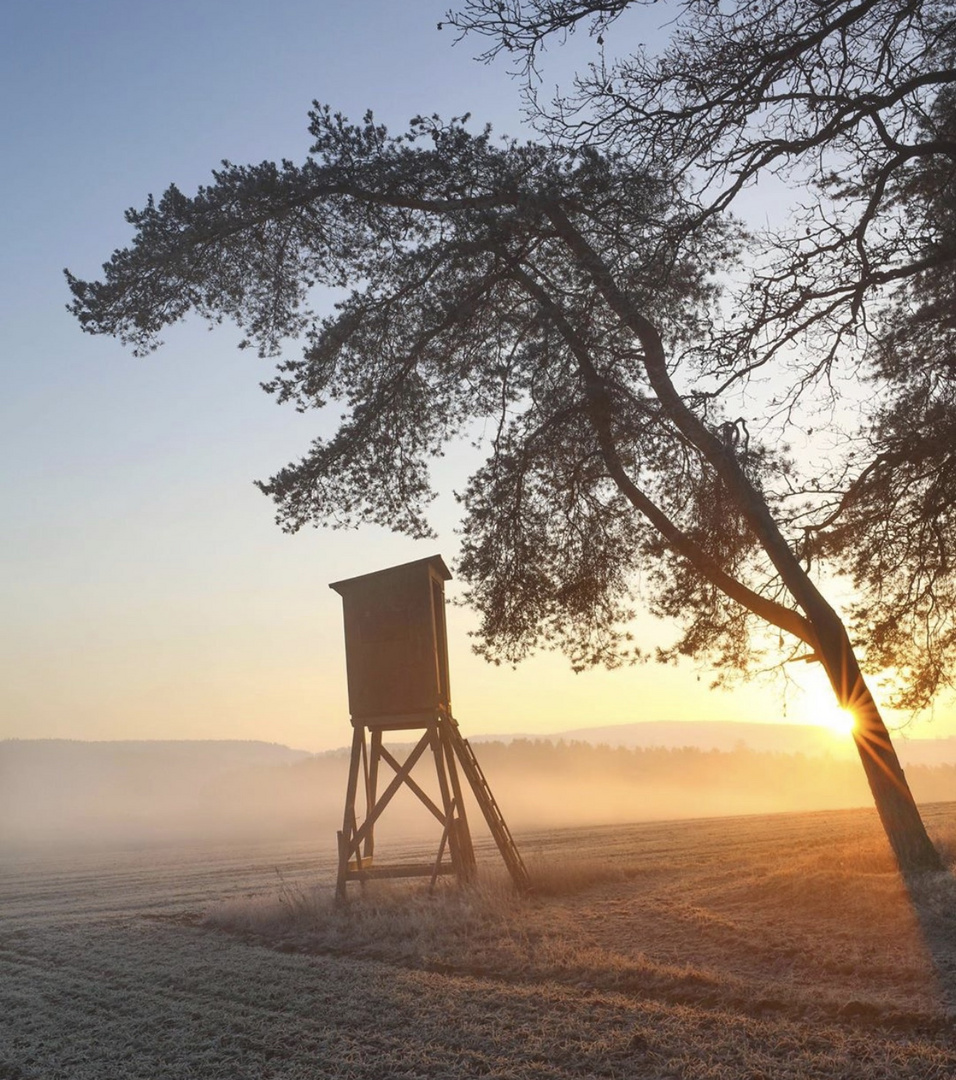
{"x": 59, "y": 791}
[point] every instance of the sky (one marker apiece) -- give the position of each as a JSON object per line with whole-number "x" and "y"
{"x": 147, "y": 592}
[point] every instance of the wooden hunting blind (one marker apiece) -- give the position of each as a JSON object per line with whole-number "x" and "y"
{"x": 396, "y": 652}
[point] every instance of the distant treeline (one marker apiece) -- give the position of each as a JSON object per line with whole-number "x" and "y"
{"x": 761, "y": 770}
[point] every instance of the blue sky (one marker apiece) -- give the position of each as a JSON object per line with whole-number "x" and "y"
{"x": 147, "y": 591}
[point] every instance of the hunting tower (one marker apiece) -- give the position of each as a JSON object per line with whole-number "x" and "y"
{"x": 396, "y": 652}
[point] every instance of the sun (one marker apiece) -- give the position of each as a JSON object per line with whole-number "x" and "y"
{"x": 819, "y": 707}
{"x": 840, "y": 721}
{"x": 826, "y": 713}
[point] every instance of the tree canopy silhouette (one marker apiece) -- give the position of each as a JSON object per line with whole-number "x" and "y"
{"x": 852, "y": 103}
{"x": 563, "y": 305}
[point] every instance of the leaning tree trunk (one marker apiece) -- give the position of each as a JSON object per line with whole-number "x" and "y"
{"x": 894, "y": 801}
{"x": 819, "y": 625}
{"x": 901, "y": 819}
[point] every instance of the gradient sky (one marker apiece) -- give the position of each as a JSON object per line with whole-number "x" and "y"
{"x": 146, "y": 589}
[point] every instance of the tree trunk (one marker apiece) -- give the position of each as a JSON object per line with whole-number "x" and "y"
{"x": 898, "y": 812}
{"x": 894, "y": 801}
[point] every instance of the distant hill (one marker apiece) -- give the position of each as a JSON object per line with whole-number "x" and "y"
{"x": 79, "y": 762}
{"x": 62, "y": 787}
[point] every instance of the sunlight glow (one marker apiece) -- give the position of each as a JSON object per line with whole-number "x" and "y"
{"x": 815, "y": 703}
{"x": 839, "y": 721}
{"x": 823, "y": 711}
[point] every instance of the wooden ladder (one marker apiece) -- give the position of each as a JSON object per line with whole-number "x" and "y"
{"x": 489, "y": 807}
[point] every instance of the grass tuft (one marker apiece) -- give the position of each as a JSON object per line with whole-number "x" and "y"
{"x": 944, "y": 837}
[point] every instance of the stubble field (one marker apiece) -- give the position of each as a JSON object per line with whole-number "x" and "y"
{"x": 769, "y": 947}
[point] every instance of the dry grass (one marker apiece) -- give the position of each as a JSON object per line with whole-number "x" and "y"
{"x": 805, "y": 918}
{"x": 399, "y": 922}
{"x": 943, "y": 833}
{"x": 408, "y": 920}
{"x": 777, "y": 948}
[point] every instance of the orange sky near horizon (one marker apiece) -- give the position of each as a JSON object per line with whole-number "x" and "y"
{"x": 270, "y": 665}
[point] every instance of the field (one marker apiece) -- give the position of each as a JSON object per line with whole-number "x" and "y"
{"x": 768, "y": 947}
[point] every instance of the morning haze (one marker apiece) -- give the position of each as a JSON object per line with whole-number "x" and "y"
{"x": 55, "y": 792}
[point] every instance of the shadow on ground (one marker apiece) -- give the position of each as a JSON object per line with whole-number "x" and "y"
{"x": 934, "y": 903}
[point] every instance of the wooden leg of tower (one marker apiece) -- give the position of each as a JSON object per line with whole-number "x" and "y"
{"x": 349, "y": 817}
{"x": 448, "y": 805}
{"x": 371, "y": 788}
{"x": 460, "y": 825}
{"x": 340, "y": 891}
